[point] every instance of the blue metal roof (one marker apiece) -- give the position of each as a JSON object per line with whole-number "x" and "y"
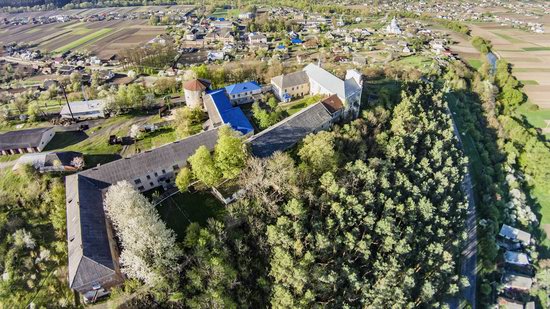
{"x": 230, "y": 114}
{"x": 296, "y": 41}
{"x": 242, "y": 87}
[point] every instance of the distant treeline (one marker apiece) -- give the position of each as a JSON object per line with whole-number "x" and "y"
{"x": 20, "y": 3}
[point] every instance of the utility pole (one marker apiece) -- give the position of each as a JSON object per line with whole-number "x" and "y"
{"x": 67, "y": 100}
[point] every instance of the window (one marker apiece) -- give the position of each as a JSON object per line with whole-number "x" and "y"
{"x": 175, "y": 167}
{"x": 156, "y": 174}
{"x": 148, "y": 177}
{"x": 164, "y": 171}
{"x": 141, "y": 188}
{"x": 137, "y": 181}
{"x": 151, "y": 184}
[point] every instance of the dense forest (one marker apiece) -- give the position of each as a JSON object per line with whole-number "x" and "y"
{"x": 369, "y": 213}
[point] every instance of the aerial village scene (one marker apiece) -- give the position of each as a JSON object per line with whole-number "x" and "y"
{"x": 292, "y": 154}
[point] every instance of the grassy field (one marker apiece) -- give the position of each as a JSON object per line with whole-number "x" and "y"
{"x": 156, "y": 139}
{"x": 182, "y": 209}
{"x": 84, "y": 40}
{"x": 223, "y": 13}
{"x": 417, "y": 61}
{"x": 529, "y": 82}
{"x": 534, "y": 115}
{"x": 541, "y": 48}
{"x": 475, "y": 63}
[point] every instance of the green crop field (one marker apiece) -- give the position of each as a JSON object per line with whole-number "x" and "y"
{"x": 84, "y": 40}
{"x": 529, "y": 82}
{"x": 508, "y": 38}
{"x": 541, "y": 48}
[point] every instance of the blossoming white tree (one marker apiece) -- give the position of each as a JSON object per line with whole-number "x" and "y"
{"x": 149, "y": 250}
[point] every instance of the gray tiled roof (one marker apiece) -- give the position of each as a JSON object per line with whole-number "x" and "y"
{"x": 291, "y": 80}
{"x": 87, "y": 235}
{"x": 152, "y": 160}
{"x": 90, "y": 256}
{"x": 22, "y": 138}
{"x": 290, "y": 131}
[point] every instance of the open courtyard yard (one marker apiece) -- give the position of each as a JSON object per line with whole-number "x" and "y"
{"x": 182, "y": 209}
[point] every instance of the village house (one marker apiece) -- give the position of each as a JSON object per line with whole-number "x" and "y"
{"x": 25, "y": 141}
{"x": 517, "y": 282}
{"x": 515, "y": 235}
{"x": 516, "y": 258}
{"x": 81, "y": 110}
{"x": 288, "y": 86}
{"x": 224, "y": 36}
{"x": 257, "y": 39}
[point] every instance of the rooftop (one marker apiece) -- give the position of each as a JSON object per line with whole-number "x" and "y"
{"x": 83, "y": 107}
{"x": 290, "y": 131}
{"x": 290, "y": 80}
{"x": 196, "y": 84}
{"x": 226, "y": 113}
{"x": 242, "y": 87}
{"x": 513, "y": 233}
{"x": 22, "y": 138}
{"x": 90, "y": 256}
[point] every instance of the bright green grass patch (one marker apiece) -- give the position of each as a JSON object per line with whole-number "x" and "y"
{"x": 182, "y": 209}
{"x": 543, "y": 198}
{"x": 298, "y": 105}
{"x": 81, "y": 30}
{"x": 219, "y": 12}
{"x": 156, "y": 139}
{"x": 33, "y": 30}
{"x": 534, "y": 115}
{"x": 83, "y": 40}
{"x": 416, "y": 61}
{"x": 541, "y": 48}
{"x": 529, "y": 82}
{"x": 546, "y": 70}
{"x": 475, "y": 63}
{"x": 508, "y": 38}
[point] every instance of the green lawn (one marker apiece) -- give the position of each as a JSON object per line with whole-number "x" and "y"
{"x": 219, "y": 12}
{"x": 156, "y": 139}
{"x": 416, "y": 61}
{"x": 296, "y": 106}
{"x": 83, "y": 40}
{"x": 182, "y": 209}
{"x": 534, "y": 115}
{"x": 475, "y": 63}
{"x": 541, "y": 48}
{"x": 529, "y": 82}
